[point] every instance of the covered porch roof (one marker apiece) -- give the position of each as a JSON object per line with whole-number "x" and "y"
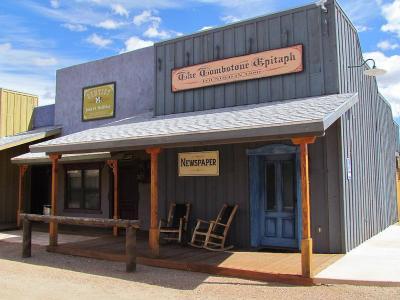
{"x": 273, "y": 120}
{"x": 28, "y": 137}
{"x": 41, "y": 158}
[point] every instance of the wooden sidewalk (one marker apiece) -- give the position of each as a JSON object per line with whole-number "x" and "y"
{"x": 262, "y": 266}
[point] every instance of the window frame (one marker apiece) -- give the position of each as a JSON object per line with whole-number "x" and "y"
{"x": 82, "y": 168}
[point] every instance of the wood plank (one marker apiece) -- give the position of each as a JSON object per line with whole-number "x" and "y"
{"x": 95, "y": 222}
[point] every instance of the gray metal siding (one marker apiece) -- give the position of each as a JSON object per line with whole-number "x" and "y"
{"x": 208, "y": 194}
{"x": 324, "y": 192}
{"x": 369, "y": 138}
{"x": 307, "y": 25}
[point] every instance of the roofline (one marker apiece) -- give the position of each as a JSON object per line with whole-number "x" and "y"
{"x": 34, "y": 138}
{"x": 332, "y": 118}
{"x": 19, "y": 92}
{"x": 66, "y": 159}
{"x": 315, "y": 128}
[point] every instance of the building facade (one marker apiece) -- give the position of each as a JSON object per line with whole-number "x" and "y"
{"x": 193, "y": 95}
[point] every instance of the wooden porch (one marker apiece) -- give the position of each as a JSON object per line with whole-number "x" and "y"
{"x": 263, "y": 266}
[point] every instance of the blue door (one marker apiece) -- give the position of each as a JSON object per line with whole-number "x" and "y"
{"x": 278, "y": 201}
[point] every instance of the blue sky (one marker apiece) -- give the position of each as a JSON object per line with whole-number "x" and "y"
{"x": 37, "y": 37}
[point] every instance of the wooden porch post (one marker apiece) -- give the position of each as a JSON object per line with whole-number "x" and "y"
{"x": 54, "y": 188}
{"x": 153, "y": 234}
{"x": 21, "y": 191}
{"x": 113, "y": 164}
{"x": 306, "y": 243}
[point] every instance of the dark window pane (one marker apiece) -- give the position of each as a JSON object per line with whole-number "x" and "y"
{"x": 288, "y": 174}
{"x": 74, "y": 185}
{"x": 83, "y": 189}
{"x": 92, "y": 189}
{"x": 270, "y": 186}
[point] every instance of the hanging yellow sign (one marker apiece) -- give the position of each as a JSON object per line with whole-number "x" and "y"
{"x": 98, "y": 102}
{"x": 204, "y": 163}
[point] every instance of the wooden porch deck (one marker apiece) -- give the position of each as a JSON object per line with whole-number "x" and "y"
{"x": 263, "y": 266}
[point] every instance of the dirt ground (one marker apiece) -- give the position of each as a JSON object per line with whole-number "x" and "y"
{"x": 53, "y": 276}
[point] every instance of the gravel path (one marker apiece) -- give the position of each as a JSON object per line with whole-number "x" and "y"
{"x": 53, "y": 276}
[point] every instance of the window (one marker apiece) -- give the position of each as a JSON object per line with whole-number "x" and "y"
{"x": 83, "y": 188}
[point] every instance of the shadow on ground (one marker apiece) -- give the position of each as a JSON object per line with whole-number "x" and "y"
{"x": 181, "y": 280}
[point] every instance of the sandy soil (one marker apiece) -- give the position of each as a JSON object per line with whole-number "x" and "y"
{"x": 53, "y": 276}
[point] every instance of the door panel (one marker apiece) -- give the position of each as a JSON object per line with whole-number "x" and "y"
{"x": 128, "y": 192}
{"x": 278, "y": 218}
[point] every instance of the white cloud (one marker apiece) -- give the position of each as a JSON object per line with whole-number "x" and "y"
{"x": 206, "y": 28}
{"x": 230, "y": 19}
{"x": 109, "y": 24}
{"x": 75, "y": 27}
{"x": 362, "y": 28}
{"x": 391, "y": 13}
{"x": 146, "y": 17}
{"x": 134, "y": 43}
{"x": 99, "y": 41}
{"x": 31, "y": 71}
{"x": 45, "y": 61}
{"x": 5, "y": 47}
{"x": 55, "y": 3}
{"x": 388, "y": 45}
{"x": 118, "y": 9}
{"x": 389, "y": 84}
{"x": 154, "y": 32}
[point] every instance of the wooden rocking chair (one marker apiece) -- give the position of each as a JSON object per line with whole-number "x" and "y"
{"x": 176, "y": 224}
{"x": 213, "y": 235}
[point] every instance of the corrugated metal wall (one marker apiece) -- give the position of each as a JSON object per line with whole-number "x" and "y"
{"x": 16, "y": 111}
{"x": 369, "y": 139}
{"x": 306, "y": 25}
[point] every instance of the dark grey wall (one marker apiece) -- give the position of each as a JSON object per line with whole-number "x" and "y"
{"x": 9, "y": 184}
{"x": 306, "y": 25}
{"x": 133, "y": 73}
{"x": 43, "y": 116}
{"x": 208, "y": 194}
{"x": 369, "y": 137}
{"x": 325, "y": 192}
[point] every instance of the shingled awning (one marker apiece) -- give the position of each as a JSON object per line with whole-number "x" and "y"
{"x": 272, "y": 120}
{"x": 28, "y": 137}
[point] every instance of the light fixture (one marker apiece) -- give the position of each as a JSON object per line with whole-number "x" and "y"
{"x": 372, "y": 72}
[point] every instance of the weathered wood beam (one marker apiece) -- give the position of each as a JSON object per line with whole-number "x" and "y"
{"x": 130, "y": 249}
{"x": 21, "y": 191}
{"x": 154, "y": 232}
{"x": 94, "y": 222}
{"x": 26, "y": 238}
{"x": 113, "y": 164}
{"x": 306, "y": 243}
{"x": 53, "y": 231}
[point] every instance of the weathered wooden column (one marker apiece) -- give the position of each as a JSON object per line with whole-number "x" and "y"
{"x": 21, "y": 192}
{"x": 130, "y": 249}
{"x": 54, "y": 189}
{"x": 153, "y": 234}
{"x": 306, "y": 243}
{"x": 26, "y": 238}
{"x": 113, "y": 164}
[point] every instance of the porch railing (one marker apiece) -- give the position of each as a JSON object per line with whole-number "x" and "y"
{"x": 130, "y": 225}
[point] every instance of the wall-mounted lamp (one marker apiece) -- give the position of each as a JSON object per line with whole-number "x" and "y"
{"x": 373, "y": 72}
